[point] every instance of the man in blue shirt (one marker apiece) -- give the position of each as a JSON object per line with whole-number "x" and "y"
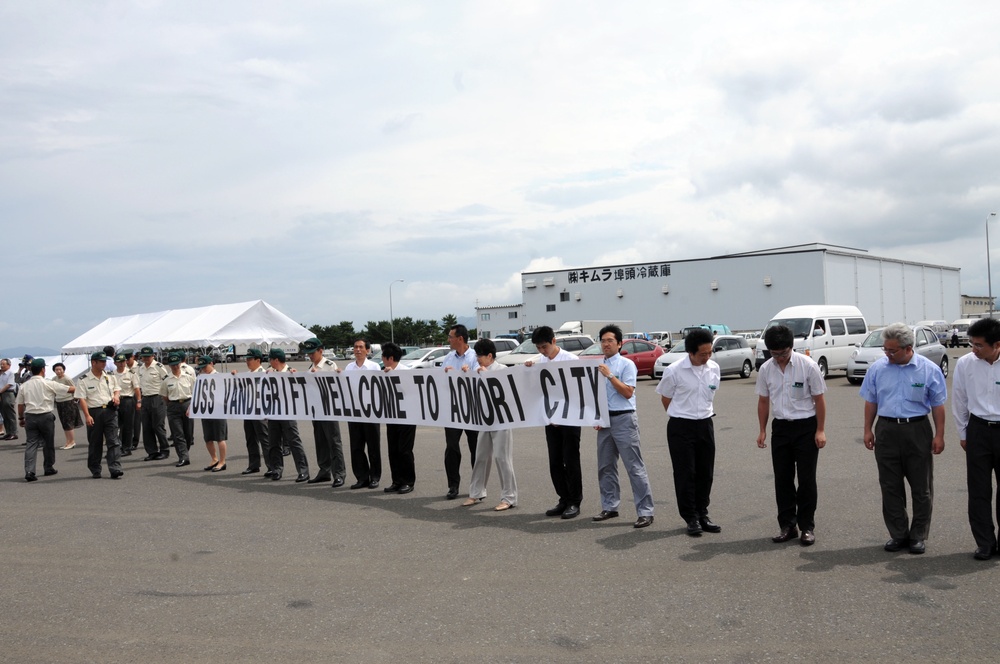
{"x": 621, "y": 439}
{"x": 902, "y": 388}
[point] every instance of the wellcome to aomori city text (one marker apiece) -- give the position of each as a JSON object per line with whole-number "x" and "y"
{"x": 523, "y": 397}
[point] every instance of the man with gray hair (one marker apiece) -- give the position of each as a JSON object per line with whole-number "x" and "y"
{"x": 902, "y": 389}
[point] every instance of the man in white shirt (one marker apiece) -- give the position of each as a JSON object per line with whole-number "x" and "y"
{"x": 35, "y": 403}
{"x": 563, "y": 442}
{"x": 687, "y": 390}
{"x": 462, "y": 358}
{"x": 791, "y": 386}
{"x": 364, "y": 436}
{"x": 975, "y": 403}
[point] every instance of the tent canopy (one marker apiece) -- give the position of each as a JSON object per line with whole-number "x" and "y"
{"x": 244, "y": 323}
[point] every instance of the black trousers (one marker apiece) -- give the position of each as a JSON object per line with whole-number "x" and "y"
{"x": 40, "y": 430}
{"x": 793, "y": 450}
{"x": 365, "y": 436}
{"x": 453, "y": 453}
{"x": 178, "y": 420}
{"x": 329, "y": 450}
{"x": 136, "y": 427}
{"x": 692, "y": 454}
{"x": 154, "y": 431}
{"x": 104, "y": 431}
{"x": 126, "y": 418}
{"x": 255, "y": 432}
{"x": 564, "y": 463}
{"x": 285, "y": 433}
{"x": 982, "y": 462}
{"x": 399, "y": 438}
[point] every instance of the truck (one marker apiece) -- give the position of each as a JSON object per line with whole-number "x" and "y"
{"x": 591, "y": 328}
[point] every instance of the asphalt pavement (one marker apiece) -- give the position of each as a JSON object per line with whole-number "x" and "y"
{"x": 181, "y": 565}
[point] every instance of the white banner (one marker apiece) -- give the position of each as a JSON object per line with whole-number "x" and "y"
{"x": 567, "y": 393}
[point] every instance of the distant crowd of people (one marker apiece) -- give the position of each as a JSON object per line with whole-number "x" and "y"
{"x": 903, "y": 393}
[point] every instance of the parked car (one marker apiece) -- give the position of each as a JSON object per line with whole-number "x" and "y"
{"x": 663, "y": 338}
{"x": 731, "y": 352}
{"x": 752, "y": 338}
{"x": 424, "y": 358}
{"x": 642, "y": 353}
{"x": 925, "y": 342}
{"x": 573, "y": 343}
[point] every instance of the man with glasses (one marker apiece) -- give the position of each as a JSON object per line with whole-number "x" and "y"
{"x": 976, "y": 407}
{"x": 902, "y": 389}
{"x": 792, "y": 386}
{"x": 687, "y": 390}
{"x": 621, "y": 439}
{"x": 462, "y": 358}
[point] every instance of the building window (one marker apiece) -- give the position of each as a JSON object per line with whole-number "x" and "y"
{"x": 564, "y": 297}
{"x": 550, "y": 307}
{"x": 484, "y": 316}
{"x": 511, "y": 314}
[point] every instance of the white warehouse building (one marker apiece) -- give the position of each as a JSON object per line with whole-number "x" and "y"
{"x": 742, "y": 291}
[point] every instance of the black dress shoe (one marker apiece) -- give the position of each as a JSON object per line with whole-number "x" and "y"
{"x": 151, "y": 457}
{"x": 269, "y": 474}
{"x": 373, "y": 484}
{"x": 250, "y": 471}
{"x": 50, "y": 471}
{"x": 207, "y": 468}
{"x": 219, "y": 469}
{"x": 182, "y": 462}
{"x": 642, "y": 522}
{"x": 339, "y": 482}
{"x": 894, "y": 545}
{"x": 276, "y": 476}
{"x": 115, "y": 474}
{"x": 571, "y": 512}
{"x": 126, "y": 452}
{"x": 452, "y": 493}
{"x": 392, "y": 488}
{"x": 29, "y": 477}
{"x": 694, "y": 528}
{"x": 359, "y": 484}
{"x": 605, "y": 515}
{"x": 303, "y": 477}
{"x": 708, "y": 526}
{"x": 982, "y": 552}
{"x": 787, "y": 533}
{"x": 165, "y": 455}
{"x": 96, "y": 474}
{"x": 917, "y": 547}
{"x": 405, "y": 488}
{"x": 807, "y": 538}
{"x": 318, "y": 479}
{"x": 285, "y": 451}
{"x": 557, "y": 510}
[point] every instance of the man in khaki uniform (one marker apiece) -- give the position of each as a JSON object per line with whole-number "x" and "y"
{"x": 151, "y": 407}
{"x": 176, "y": 389}
{"x": 329, "y": 445}
{"x": 35, "y": 402}
{"x": 133, "y": 366}
{"x": 255, "y": 431}
{"x": 98, "y": 394}
{"x": 128, "y": 383}
{"x": 284, "y": 432}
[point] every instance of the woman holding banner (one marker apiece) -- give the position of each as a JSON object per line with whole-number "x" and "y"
{"x": 494, "y": 446}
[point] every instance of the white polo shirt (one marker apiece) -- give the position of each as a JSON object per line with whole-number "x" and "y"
{"x": 793, "y": 390}
{"x": 691, "y": 389}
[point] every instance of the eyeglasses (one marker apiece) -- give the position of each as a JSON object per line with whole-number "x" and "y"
{"x": 612, "y": 340}
{"x": 890, "y": 351}
{"x": 781, "y": 353}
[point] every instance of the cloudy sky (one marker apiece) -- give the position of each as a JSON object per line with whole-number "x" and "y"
{"x": 158, "y": 155}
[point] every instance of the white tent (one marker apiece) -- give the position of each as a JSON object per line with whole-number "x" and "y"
{"x": 244, "y": 324}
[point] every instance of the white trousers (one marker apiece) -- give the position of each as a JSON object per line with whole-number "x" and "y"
{"x": 494, "y": 447}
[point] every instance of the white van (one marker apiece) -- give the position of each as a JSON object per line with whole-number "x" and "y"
{"x": 825, "y": 332}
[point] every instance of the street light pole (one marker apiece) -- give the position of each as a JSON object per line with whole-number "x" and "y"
{"x": 392, "y": 330}
{"x": 989, "y": 278}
